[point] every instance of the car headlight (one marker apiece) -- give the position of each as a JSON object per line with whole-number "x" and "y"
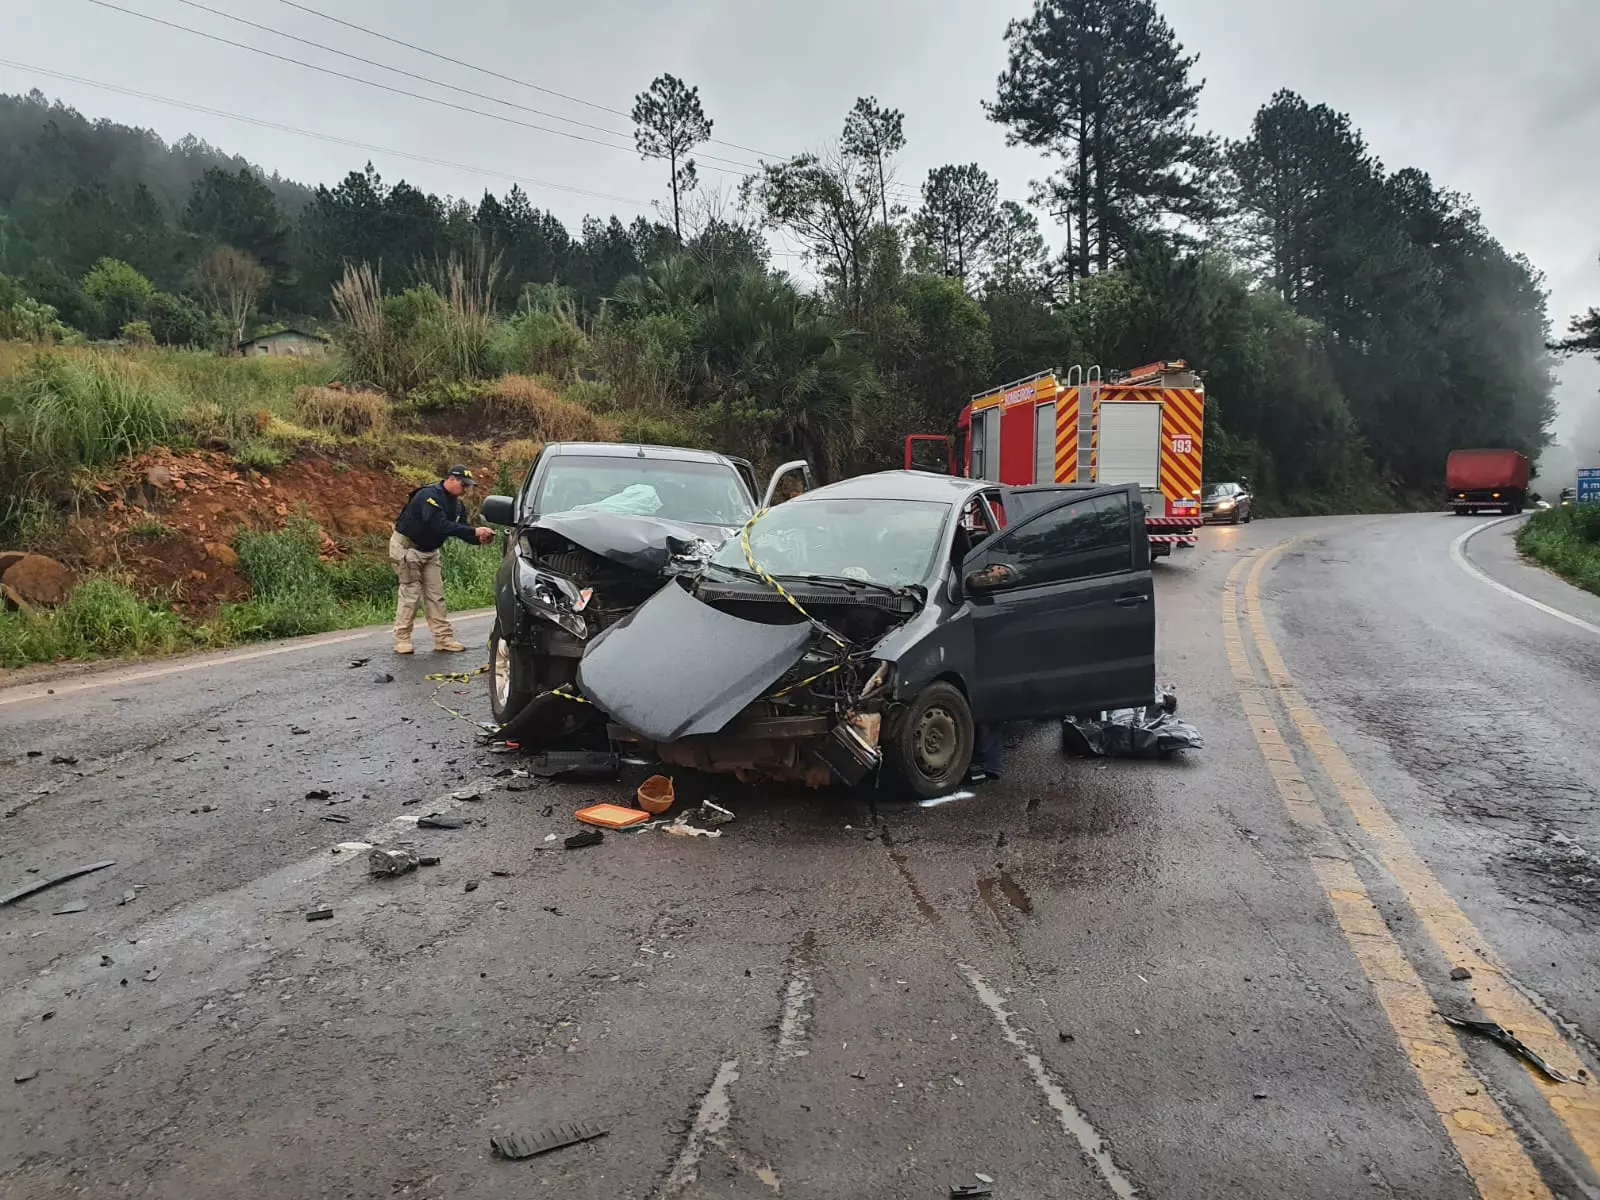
{"x": 1224, "y": 504}
{"x": 553, "y": 597}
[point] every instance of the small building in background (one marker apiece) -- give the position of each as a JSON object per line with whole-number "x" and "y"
{"x": 286, "y": 343}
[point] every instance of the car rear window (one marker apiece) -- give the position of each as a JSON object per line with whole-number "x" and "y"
{"x": 700, "y": 493}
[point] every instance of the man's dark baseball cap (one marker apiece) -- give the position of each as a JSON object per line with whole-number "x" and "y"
{"x": 464, "y": 475}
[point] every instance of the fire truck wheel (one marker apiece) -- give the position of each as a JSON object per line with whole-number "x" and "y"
{"x": 932, "y": 748}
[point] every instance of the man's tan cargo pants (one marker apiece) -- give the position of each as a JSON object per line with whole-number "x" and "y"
{"x": 421, "y": 582}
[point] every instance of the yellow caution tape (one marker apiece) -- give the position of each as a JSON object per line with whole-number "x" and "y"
{"x": 749, "y": 557}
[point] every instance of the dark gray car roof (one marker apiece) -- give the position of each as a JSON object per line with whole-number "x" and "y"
{"x": 631, "y": 450}
{"x": 899, "y": 485}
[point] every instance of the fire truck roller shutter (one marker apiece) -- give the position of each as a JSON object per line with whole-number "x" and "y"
{"x": 1044, "y": 443}
{"x": 1130, "y": 444}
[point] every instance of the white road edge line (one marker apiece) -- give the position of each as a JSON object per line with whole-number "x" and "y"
{"x": 110, "y": 679}
{"x": 715, "y": 1110}
{"x": 1073, "y": 1121}
{"x": 1458, "y": 551}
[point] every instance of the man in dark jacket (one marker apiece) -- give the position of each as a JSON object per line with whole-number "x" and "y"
{"x": 431, "y": 514}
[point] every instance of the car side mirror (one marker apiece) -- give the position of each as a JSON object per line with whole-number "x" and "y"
{"x": 499, "y": 510}
{"x": 990, "y": 579}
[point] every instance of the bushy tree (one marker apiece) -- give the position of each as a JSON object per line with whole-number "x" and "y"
{"x": 118, "y": 293}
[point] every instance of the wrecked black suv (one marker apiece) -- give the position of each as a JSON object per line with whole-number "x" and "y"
{"x": 596, "y": 529}
{"x": 859, "y": 626}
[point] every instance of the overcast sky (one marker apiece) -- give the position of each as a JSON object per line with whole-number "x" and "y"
{"x": 1495, "y": 99}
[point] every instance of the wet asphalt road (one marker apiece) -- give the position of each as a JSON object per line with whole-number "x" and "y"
{"x": 1207, "y": 978}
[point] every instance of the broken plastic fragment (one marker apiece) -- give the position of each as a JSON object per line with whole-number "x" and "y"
{"x": 526, "y": 1145}
{"x": 320, "y": 914}
{"x": 1505, "y": 1038}
{"x": 391, "y": 860}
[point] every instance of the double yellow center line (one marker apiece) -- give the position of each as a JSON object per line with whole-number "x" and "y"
{"x": 1488, "y": 1146}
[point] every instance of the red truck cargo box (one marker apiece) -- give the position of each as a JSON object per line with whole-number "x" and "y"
{"x": 1485, "y": 470}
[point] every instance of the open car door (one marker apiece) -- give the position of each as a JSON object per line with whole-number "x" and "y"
{"x": 788, "y": 468}
{"x": 1063, "y": 608}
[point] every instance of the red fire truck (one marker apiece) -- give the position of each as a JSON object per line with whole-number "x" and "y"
{"x": 1145, "y": 427}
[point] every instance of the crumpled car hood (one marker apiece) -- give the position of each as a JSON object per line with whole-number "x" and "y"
{"x": 675, "y": 667}
{"x": 644, "y": 544}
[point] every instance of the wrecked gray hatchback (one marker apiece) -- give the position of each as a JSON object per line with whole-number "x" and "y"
{"x": 859, "y": 626}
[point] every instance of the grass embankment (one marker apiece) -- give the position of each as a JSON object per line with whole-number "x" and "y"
{"x": 1567, "y": 540}
{"x": 293, "y": 592}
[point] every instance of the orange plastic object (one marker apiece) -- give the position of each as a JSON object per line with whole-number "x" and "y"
{"x": 610, "y": 816}
{"x": 656, "y": 794}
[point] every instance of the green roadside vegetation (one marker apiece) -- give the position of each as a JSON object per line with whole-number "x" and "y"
{"x": 1567, "y": 540}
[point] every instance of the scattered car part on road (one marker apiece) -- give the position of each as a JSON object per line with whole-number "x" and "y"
{"x": 440, "y": 821}
{"x": 391, "y": 860}
{"x": 959, "y": 1190}
{"x": 356, "y": 663}
{"x": 1150, "y": 732}
{"x": 526, "y": 1145}
{"x": 50, "y": 881}
{"x": 1460, "y": 973}
{"x": 470, "y": 886}
{"x": 711, "y": 814}
{"x": 25, "y": 1076}
{"x": 336, "y": 818}
{"x": 1509, "y": 1041}
{"x": 588, "y": 837}
{"x": 70, "y": 907}
{"x": 320, "y": 914}
{"x": 656, "y": 794}
{"x": 428, "y": 860}
{"x": 611, "y": 816}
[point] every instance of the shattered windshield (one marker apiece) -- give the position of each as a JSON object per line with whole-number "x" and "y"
{"x": 890, "y": 542}
{"x": 699, "y": 493}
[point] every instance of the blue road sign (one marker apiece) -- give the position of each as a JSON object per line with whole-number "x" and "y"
{"x": 1588, "y": 485}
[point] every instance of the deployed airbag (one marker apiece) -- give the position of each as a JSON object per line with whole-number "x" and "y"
{"x": 675, "y": 667}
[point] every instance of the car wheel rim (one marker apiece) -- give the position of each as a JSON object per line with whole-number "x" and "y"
{"x": 936, "y": 741}
{"x": 502, "y": 673}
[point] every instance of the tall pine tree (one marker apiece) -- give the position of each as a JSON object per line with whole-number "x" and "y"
{"x": 1104, "y": 86}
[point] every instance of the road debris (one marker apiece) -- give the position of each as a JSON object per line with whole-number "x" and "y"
{"x": 128, "y": 897}
{"x": 383, "y": 677}
{"x": 356, "y": 663}
{"x": 428, "y": 860}
{"x": 470, "y": 886}
{"x": 682, "y": 828}
{"x": 106, "y": 960}
{"x": 72, "y": 906}
{"x": 48, "y": 881}
{"x": 574, "y": 764}
{"x": 320, "y": 794}
{"x": 656, "y": 794}
{"x": 440, "y": 821}
{"x": 712, "y": 814}
{"x": 320, "y": 914}
{"x": 982, "y": 1178}
{"x": 611, "y": 816}
{"x": 500, "y": 874}
{"x": 24, "y": 1076}
{"x": 1460, "y": 973}
{"x": 467, "y": 794}
{"x": 1150, "y": 732}
{"x": 958, "y": 1190}
{"x": 336, "y": 818}
{"x": 1509, "y": 1041}
{"x": 589, "y": 837}
{"x": 526, "y": 1145}
{"x": 150, "y": 976}
{"x": 296, "y": 731}
{"x": 391, "y": 860}
{"x": 64, "y": 760}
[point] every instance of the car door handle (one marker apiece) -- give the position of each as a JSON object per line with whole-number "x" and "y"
{"x": 1132, "y": 599}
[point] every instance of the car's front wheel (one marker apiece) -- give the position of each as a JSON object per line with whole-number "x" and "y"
{"x": 932, "y": 746}
{"x": 511, "y": 683}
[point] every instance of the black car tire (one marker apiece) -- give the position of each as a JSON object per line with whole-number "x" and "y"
{"x": 511, "y": 677}
{"x": 931, "y": 749}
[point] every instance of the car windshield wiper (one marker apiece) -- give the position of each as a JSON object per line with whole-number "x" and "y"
{"x": 846, "y": 582}
{"x": 740, "y": 572}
